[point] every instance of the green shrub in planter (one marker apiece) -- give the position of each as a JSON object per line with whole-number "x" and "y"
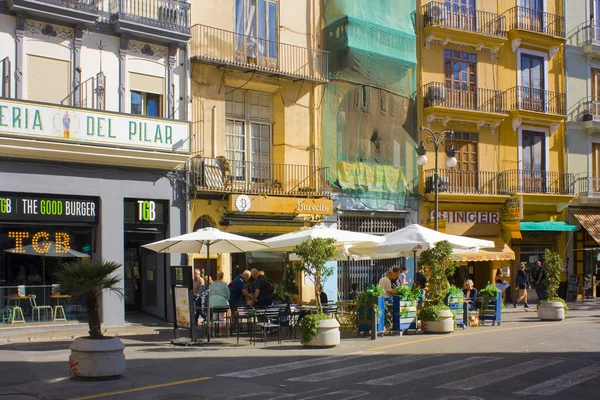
{"x": 406, "y": 293}
{"x": 309, "y": 326}
{"x": 553, "y": 266}
{"x": 367, "y": 300}
{"x": 431, "y": 311}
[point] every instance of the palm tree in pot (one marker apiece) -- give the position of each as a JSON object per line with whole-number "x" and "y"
{"x": 94, "y": 356}
{"x": 317, "y": 329}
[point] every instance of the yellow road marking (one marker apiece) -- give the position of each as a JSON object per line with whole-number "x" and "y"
{"x": 139, "y": 389}
{"x": 478, "y": 332}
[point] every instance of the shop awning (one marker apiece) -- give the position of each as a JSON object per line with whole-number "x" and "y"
{"x": 500, "y": 252}
{"x": 590, "y": 220}
{"x": 547, "y": 226}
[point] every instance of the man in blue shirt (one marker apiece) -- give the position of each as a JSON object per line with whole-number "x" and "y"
{"x": 236, "y": 292}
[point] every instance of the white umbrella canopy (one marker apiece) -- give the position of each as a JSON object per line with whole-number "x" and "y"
{"x": 343, "y": 254}
{"x": 288, "y": 241}
{"x": 415, "y": 238}
{"x": 206, "y": 241}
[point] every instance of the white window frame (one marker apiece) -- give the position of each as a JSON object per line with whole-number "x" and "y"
{"x": 248, "y": 121}
{"x": 520, "y": 78}
{"x": 256, "y": 36}
{"x": 145, "y": 104}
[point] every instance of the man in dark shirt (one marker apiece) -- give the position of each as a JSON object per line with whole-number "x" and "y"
{"x": 420, "y": 279}
{"x": 354, "y": 292}
{"x": 236, "y": 295}
{"x": 262, "y": 298}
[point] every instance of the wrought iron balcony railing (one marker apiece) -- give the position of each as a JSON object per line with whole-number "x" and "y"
{"x": 464, "y": 18}
{"x": 233, "y": 176}
{"x": 532, "y": 20}
{"x": 536, "y": 182}
{"x": 462, "y": 182}
{"x": 451, "y": 95}
{"x": 587, "y": 186}
{"x": 165, "y": 14}
{"x": 538, "y": 100}
{"x": 589, "y": 35}
{"x": 218, "y": 46}
{"x": 70, "y": 11}
{"x": 88, "y": 94}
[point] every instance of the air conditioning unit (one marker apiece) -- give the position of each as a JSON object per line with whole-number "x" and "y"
{"x": 443, "y": 183}
{"x": 436, "y": 12}
{"x": 436, "y": 93}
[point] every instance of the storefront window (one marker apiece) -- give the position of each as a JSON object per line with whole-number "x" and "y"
{"x": 30, "y": 255}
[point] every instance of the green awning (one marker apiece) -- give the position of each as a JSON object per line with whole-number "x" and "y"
{"x": 554, "y": 226}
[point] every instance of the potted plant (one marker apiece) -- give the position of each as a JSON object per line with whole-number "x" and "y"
{"x": 587, "y": 115}
{"x": 96, "y": 355}
{"x": 317, "y": 329}
{"x": 407, "y": 307}
{"x": 553, "y": 308}
{"x": 280, "y": 295}
{"x": 367, "y": 304}
{"x": 435, "y": 316}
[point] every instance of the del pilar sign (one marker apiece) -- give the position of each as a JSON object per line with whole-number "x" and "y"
{"x": 83, "y": 126}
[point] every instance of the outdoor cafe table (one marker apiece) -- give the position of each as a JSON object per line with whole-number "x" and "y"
{"x": 17, "y": 311}
{"x": 58, "y": 309}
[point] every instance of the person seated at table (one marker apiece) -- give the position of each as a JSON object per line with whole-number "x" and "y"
{"x": 218, "y": 292}
{"x": 322, "y": 296}
{"x": 470, "y": 295}
{"x": 354, "y": 293}
{"x": 386, "y": 282}
{"x": 196, "y": 291}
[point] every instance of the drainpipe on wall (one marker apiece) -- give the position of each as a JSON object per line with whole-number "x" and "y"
{"x": 214, "y": 131}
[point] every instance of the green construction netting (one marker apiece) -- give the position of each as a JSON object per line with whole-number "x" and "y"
{"x": 369, "y": 108}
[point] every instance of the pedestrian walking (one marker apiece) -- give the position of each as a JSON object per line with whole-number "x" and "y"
{"x": 522, "y": 285}
{"x": 540, "y": 281}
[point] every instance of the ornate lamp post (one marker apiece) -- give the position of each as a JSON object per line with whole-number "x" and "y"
{"x": 437, "y": 139}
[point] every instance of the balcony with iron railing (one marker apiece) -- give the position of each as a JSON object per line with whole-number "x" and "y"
{"x": 167, "y": 21}
{"x": 233, "y": 176}
{"x": 69, "y": 11}
{"x": 453, "y": 181}
{"x": 537, "y": 100}
{"x": 536, "y": 21}
{"x": 235, "y": 50}
{"x": 462, "y": 97}
{"x": 587, "y": 186}
{"x": 536, "y": 182}
{"x": 88, "y": 94}
{"x": 587, "y": 37}
{"x": 464, "y": 19}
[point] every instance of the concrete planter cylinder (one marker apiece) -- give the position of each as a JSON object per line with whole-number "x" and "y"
{"x": 97, "y": 358}
{"x": 328, "y": 334}
{"x": 445, "y": 323}
{"x": 551, "y": 311}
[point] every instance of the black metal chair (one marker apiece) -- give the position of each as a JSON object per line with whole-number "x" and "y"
{"x": 247, "y": 315}
{"x": 269, "y": 318}
{"x": 220, "y": 315}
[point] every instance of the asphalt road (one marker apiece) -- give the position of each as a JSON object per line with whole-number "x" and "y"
{"x": 523, "y": 358}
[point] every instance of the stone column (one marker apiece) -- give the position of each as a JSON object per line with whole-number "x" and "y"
{"x": 76, "y": 90}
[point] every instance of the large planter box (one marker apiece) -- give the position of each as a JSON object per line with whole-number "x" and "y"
{"x": 456, "y": 304}
{"x": 404, "y": 314}
{"x": 365, "y": 317}
{"x": 492, "y": 311}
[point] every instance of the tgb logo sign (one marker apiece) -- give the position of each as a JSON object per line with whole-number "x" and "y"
{"x": 146, "y": 210}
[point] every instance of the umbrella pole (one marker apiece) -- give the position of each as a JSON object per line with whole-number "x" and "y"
{"x": 43, "y": 280}
{"x": 208, "y": 295}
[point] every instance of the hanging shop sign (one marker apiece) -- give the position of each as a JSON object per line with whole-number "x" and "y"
{"x": 513, "y": 209}
{"x": 37, "y": 121}
{"x": 47, "y": 208}
{"x": 146, "y": 211}
{"x": 475, "y": 217}
{"x": 279, "y": 205}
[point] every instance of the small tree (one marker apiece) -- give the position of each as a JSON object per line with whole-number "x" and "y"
{"x": 439, "y": 265}
{"x": 314, "y": 253}
{"x": 88, "y": 278}
{"x": 553, "y": 266}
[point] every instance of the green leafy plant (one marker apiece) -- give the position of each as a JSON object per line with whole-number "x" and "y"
{"x": 553, "y": 266}
{"x": 431, "y": 311}
{"x": 280, "y": 293}
{"x": 367, "y": 300}
{"x": 87, "y": 278}
{"x": 439, "y": 265}
{"x": 488, "y": 293}
{"x": 453, "y": 291}
{"x": 309, "y": 325}
{"x": 313, "y": 254}
{"x": 406, "y": 293}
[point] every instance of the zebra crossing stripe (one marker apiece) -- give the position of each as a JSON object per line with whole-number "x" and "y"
{"x": 563, "y": 382}
{"x": 410, "y": 376}
{"x": 354, "y": 369}
{"x": 489, "y": 378}
{"x": 275, "y": 369}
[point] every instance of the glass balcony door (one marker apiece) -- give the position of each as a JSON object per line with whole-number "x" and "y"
{"x": 461, "y": 79}
{"x": 532, "y": 94}
{"x": 461, "y": 14}
{"x": 256, "y": 32}
{"x": 531, "y": 15}
{"x": 533, "y": 176}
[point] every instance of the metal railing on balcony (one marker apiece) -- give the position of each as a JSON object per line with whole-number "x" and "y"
{"x": 587, "y": 186}
{"x": 462, "y": 182}
{"x": 167, "y": 14}
{"x": 223, "y": 175}
{"x": 220, "y": 46}
{"x": 90, "y": 6}
{"x": 464, "y": 18}
{"x": 451, "y": 95}
{"x": 589, "y": 35}
{"x": 536, "y": 182}
{"x": 88, "y": 94}
{"x": 538, "y": 100}
{"x": 532, "y": 20}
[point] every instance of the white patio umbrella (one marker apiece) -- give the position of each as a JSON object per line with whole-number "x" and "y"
{"x": 343, "y": 254}
{"x": 413, "y": 239}
{"x": 288, "y": 241}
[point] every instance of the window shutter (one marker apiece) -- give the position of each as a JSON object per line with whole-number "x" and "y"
{"x": 146, "y": 83}
{"x": 48, "y": 79}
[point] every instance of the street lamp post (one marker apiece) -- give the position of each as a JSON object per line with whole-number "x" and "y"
{"x": 436, "y": 138}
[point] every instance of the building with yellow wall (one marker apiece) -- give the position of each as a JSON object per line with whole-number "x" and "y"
{"x": 492, "y": 72}
{"x": 257, "y": 75}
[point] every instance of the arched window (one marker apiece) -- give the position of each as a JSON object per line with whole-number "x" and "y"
{"x": 204, "y": 222}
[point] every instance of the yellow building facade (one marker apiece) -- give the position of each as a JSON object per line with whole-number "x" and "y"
{"x": 492, "y": 72}
{"x": 257, "y": 78}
